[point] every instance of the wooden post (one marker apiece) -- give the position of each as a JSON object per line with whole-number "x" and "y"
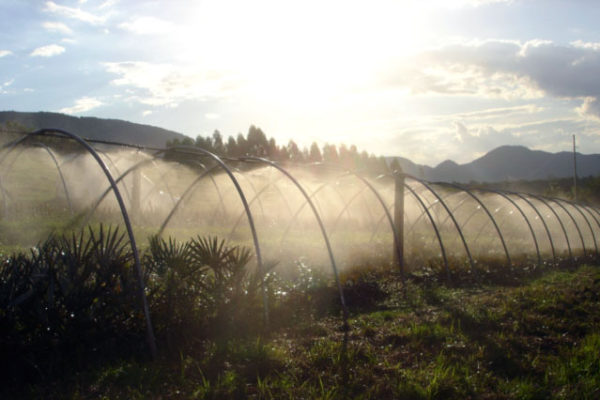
{"x": 136, "y": 188}
{"x": 574, "y": 170}
{"x": 399, "y": 220}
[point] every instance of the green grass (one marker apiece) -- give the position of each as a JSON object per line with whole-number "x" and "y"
{"x": 536, "y": 340}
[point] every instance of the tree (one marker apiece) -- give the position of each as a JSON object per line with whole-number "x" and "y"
{"x": 242, "y": 145}
{"x": 314, "y": 154}
{"x": 203, "y": 142}
{"x": 232, "y": 148}
{"x": 294, "y": 152}
{"x": 272, "y": 150}
{"x": 330, "y": 154}
{"x": 217, "y": 142}
{"x": 346, "y": 157}
{"x": 257, "y": 142}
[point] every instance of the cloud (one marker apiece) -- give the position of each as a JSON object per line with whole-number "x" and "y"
{"x": 47, "y": 51}
{"x": 4, "y": 53}
{"x": 82, "y": 105}
{"x": 167, "y": 85}
{"x": 74, "y": 13}
{"x": 147, "y": 26}
{"x": 57, "y": 27}
{"x": 499, "y": 112}
{"x": 212, "y": 116}
{"x": 107, "y": 4}
{"x": 461, "y": 131}
{"x": 590, "y": 106}
{"x": 6, "y": 84}
{"x": 508, "y": 69}
{"x": 431, "y": 139}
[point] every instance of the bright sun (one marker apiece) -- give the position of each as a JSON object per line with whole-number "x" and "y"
{"x": 301, "y": 53}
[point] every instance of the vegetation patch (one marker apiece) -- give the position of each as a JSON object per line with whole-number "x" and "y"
{"x": 72, "y": 328}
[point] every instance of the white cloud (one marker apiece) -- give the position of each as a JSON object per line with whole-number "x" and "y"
{"x": 57, "y": 27}
{"x": 107, "y": 4}
{"x": 4, "y": 53}
{"x": 461, "y": 131}
{"x": 590, "y": 106}
{"x": 498, "y": 112}
{"x": 82, "y": 105}
{"x": 8, "y": 83}
{"x": 212, "y": 116}
{"x": 508, "y": 70}
{"x": 147, "y": 26}
{"x": 145, "y": 113}
{"x": 167, "y": 85}
{"x": 460, "y": 140}
{"x": 74, "y": 13}
{"x": 47, "y": 51}
{"x": 586, "y": 45}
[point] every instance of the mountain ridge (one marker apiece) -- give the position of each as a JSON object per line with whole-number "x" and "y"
{"x": 504, "y": 163}
{"x": 94, "y": 128}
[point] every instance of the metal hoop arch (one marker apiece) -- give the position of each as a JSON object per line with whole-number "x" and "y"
{"x": 132, "y": 242}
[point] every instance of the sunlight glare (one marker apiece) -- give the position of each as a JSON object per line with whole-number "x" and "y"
{"x": 302, "y": 53}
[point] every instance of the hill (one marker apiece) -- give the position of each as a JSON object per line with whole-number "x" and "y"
{"x": 505, "y": 163}
{"x": 94, "y": 128}
{"x": 508, "y": 163}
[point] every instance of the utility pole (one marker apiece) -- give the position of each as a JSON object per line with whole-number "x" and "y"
{"x": 574, "y": 170}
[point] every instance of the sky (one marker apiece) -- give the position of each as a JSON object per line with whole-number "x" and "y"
{"x": 428, "y": 80}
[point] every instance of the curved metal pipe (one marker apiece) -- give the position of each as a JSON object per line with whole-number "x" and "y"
{"x": 543, "y": 222}
{"x": 212, "y": 179}
{"x": 462, "y": 238}
{"x": 437, "y": 233}
{"x": 429, "y": 207}
{"x": 297, "y": 213}
{"x": 62, "y": 177}
{"x": 261, "y": 271}
{"x": 562, "y": 226}
{"x": 299, "y": 210}
{"x": 574, "y": 222}
{"x": 108, "y": 190}
{"x": 253, "y": 199}
{"x": 537, "y": 248}
{"x": 346, "y": 206}
{"x": 90, "y": 150}
{"x": 390, "y": 220}
{"x": 321, "y": 226}
{"x": 489, "y": 214}
{"x": 262, "y": 210}
{"x": 58, "y": 168}
{"x": 183, "y": 196}
{"x": 587, "y": 208}
{"x": 576, "y": 206}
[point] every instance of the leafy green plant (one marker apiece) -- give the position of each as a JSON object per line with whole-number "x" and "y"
{"x": 70, "y": 296}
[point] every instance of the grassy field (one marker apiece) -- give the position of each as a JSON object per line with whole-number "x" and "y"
{"x": 537, "y": 339}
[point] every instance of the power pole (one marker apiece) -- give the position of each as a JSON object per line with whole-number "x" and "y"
{"x": 574, "y": 170}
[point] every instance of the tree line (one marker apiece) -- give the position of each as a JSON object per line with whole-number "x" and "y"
{"x": 256, "y": 143}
